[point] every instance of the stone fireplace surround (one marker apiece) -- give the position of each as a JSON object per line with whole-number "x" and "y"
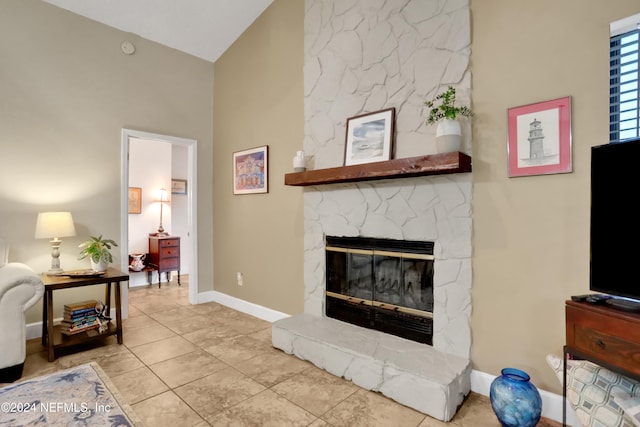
{"x": 431, "y": 379}
{"x": 362, "y": 57}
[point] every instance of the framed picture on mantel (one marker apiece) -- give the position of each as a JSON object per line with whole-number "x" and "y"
{"x": 370, "y": 137}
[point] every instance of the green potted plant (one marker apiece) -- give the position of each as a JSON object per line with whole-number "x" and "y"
{"x": 444, "y": 112}
{"x": 97, "y": 249}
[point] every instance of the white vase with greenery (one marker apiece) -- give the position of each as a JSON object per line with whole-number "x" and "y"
{"x": 444, "y": 113}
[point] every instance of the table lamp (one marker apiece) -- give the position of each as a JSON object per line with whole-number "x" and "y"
{"x": 162, "y": 198}
{"x": 53, "y": 225}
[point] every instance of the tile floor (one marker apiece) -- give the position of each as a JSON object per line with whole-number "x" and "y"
{"x": 208, "y": 365}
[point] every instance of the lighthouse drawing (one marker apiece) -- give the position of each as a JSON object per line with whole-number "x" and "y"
{"x": 536, "y": 140}
{"x": 539, "y": 140}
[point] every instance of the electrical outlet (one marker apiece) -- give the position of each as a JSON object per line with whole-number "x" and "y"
{"x": 239, "y": 277}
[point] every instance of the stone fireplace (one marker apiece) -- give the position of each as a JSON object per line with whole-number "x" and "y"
{"x": 430, "y": 378}
{"x": 363, "y": 57}
{"x": 432, "y": 209}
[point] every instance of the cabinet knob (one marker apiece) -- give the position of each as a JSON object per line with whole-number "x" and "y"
{"x": 600, "y": 344}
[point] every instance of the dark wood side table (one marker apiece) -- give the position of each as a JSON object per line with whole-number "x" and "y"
{"x": 164, "y": 255}
{"x": 52, "y": 337}
{"x": 603, "y": 335}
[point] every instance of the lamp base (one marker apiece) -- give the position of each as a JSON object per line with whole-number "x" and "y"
{"x": 55, "y": 272}
{"x": 55, "y": 257}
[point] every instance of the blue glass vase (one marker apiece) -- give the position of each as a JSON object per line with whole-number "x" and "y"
{"x": 515, "y": 400}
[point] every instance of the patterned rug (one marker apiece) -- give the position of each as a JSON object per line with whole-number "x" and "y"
{"x": 80, "y": 396}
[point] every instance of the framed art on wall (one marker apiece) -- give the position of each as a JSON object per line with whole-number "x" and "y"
{"x": 251, "y": 171}
{"x": 135, "y": 200}
{"x": 178, "y": 186}
{"x": 370, "y": 137}
{"x": 539, "y": 138}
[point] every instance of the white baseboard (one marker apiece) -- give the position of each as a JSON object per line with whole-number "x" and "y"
{"x": 255, "y": 310}
{"x": 33, "y": 330}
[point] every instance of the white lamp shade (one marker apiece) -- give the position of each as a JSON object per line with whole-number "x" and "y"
{"x": 163, "y": 196}
{"x": 54, "y": 224}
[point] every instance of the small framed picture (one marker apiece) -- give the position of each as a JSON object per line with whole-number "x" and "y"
{"x": 370, "y": 137}
{"x": 540, "y": 138}
{"x": 251, "y": 171}
{"x": 178, "y": 186}
{"x": 135, "y": 200}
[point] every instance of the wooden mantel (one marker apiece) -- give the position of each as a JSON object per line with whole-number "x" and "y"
{"x": 432, "y": 164}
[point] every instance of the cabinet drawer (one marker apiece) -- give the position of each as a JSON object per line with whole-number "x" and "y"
{"x": 607, "y": 335}
{"x": 166, "y": 243}
{"x": 169, "y": 252}
{"x": 615, "y": 350}
{"x": 170, "y": 264}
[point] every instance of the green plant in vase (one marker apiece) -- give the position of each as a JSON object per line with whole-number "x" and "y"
{"x": 443, "y": 107}
{"x": 444, "y": 112}
{"x": 97, "y": 250}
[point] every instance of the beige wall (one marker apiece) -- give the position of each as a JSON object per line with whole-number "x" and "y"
{"x": 258, "y": 99}
{"x": 531, "y": 234}
{"x": 66, "y": 92}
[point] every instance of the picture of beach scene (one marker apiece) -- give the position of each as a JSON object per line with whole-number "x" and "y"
{"x": 369, "y": 137}
{"x": 368, "y": 140}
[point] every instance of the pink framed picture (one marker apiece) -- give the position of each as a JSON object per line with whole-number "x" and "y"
{"x": 539, "y": 140}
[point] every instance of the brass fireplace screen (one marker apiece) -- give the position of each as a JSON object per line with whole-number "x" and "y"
{"x": 381, "y": 284}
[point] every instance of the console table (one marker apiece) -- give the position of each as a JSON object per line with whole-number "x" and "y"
{"x": 52, "y": 337}
{"x": 603, "y": 335}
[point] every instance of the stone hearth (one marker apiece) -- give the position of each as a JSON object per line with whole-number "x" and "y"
{"x": 413, "y": 374}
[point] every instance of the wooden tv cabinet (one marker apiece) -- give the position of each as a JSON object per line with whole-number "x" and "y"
{"x": 604, "y": 335}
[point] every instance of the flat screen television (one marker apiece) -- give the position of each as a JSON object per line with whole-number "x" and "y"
{"x": 615, "y": 222}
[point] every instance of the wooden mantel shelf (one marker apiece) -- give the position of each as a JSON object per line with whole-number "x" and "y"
{"x": 433, "y": 164}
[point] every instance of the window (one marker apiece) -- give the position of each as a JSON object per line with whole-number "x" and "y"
{"x": 624, "y": 91}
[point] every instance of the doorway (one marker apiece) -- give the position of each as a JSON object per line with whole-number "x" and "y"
{"x": 189, "y": 227}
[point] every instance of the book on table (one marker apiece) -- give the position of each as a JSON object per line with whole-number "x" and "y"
{"x": 80, "y": 309}
{"x": 82, "y": 305}
{"x": 80, "y": 314}
{"x": 70, "y": 328}
{"x": 77, "y": 331}
{"x": 82, "y": 320}
{"x": 79, "y": 317}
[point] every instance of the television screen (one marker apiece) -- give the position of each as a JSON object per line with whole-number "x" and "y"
{"x": 615, "y": 221}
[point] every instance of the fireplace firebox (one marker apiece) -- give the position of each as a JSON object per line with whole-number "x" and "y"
{"x": 381, "y": 284}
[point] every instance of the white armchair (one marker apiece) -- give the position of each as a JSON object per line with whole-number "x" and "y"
{"x": 20, "y": 288}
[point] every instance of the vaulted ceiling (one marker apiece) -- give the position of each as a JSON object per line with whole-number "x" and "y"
{"x": 203, "y": 28}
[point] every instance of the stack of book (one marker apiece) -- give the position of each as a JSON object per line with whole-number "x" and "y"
{"x": 79, "y": 317}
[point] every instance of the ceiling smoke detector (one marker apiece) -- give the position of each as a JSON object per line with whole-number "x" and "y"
{"x": 127, "y": 48}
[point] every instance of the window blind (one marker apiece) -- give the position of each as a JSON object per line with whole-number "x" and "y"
{"x": 624, "y": 90}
